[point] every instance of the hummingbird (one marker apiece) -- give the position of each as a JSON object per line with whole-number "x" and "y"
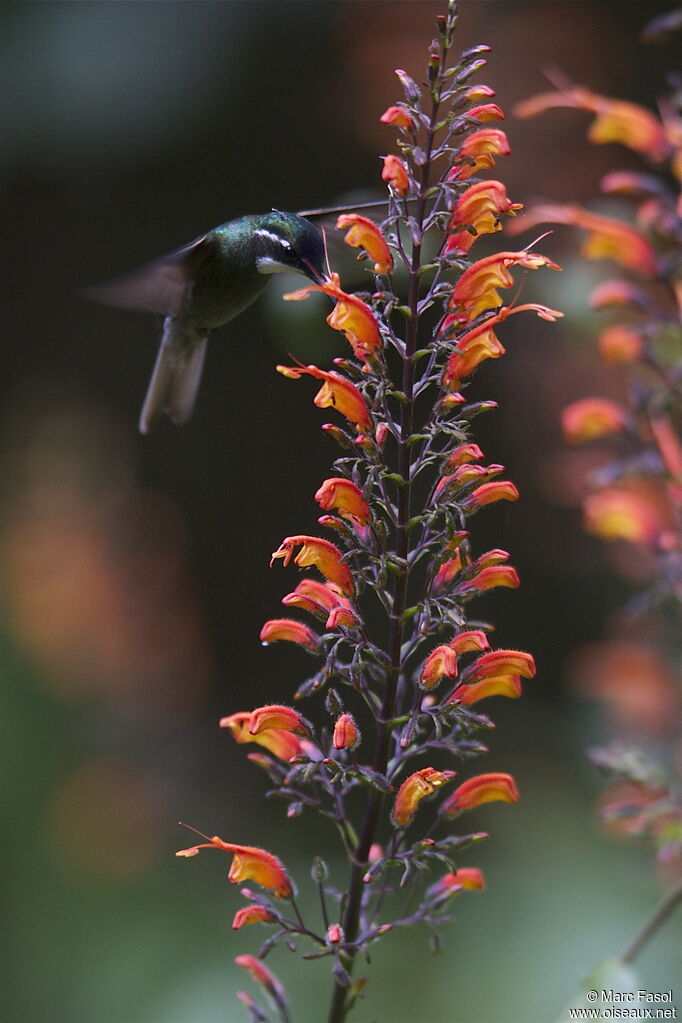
{"x": 203, "y": 286}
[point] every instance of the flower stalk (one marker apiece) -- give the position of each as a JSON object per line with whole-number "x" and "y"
{"x": 403, "y": 663}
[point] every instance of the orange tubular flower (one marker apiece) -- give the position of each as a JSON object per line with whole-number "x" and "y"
{"x": 413, "y": 790}
{"x": 345, "y": 496}
{"x": 502, "y": 662}
{"x": 470, "y": 639}
{"x": 498, "y": 685}
{"x": 591, "y": 418}
{"x": 277, "y": 716}
{"x": 395, "y": 174}
{"x": 494, "y": 575}
{"x": 251, "y": 915}
{"x": 290, "y": 630}
{"x": 481, "y": 147}
{"x": 479, "y": 92}
{"x": 484, "y": 788}
{"x": 616, "y": 121}
{"x": 365, "y": 234}
{"x": 249, "y": 864}
{"x": 441, "y": 662}
{"x": 606, "y": 238}
{"x": 312, "y": 595}
{"x": 481, "y": 342}
{"x": 447, "y": 572}
{"x": 615, "y": 514}
{"x": 463, "y": 453}
{"x": 277, "y": 741}
{"x": 479, "y": 207}
{"x": 350, "y": 315}
{"x": 486, "y": 112}
{"x": 467, "y": 878}
{"x": 336, "y": 392}
{"x": 477, "y": 288}
{"x": 617, "y": 293}
{"x": 346, "y": 733}
{"x": 620, "y": 343}
{"x": 320, "y": 553}
{"x": 396, "y": 115}
{"x": 488, "y": 493}
{"x": 263, "y": 976}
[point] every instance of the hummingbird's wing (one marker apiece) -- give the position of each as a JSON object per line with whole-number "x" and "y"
{"x": 159, "y": 287}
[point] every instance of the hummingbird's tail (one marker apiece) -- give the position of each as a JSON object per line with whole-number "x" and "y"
{"x": 176, "y": 377}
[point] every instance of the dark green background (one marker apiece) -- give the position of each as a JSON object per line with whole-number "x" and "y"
{"x": 136, "y": 569}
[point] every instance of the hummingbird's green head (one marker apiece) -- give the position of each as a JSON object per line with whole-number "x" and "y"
{"x": 285, "y": 242}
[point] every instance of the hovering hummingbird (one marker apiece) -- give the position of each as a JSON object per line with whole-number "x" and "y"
{"x": 204, "y": 285}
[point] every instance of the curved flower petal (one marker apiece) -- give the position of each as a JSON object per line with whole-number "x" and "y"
{"x": 484, "y": 788}
{"x": 251, "y": 915}
{"x": 441, "y": 662}
{"x": 413, "y": 790}
{"x": 365, "y": 234}
{"x": 395, "y": 174}
{"x": 290, "y": 630}
{"x": 250, "y": 863}
{"x": 344, "y": 496}
{"x": 275, "y": 715}
{"x": 336, "y": 392}
{"x": 320, "y": 553}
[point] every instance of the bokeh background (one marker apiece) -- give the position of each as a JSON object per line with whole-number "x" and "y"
{"x": 135, "y": 571}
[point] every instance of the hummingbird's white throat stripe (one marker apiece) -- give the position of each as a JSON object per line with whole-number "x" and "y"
{"x": 269, "y": 264}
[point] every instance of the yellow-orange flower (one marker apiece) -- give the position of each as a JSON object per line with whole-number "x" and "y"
{"x": 482, "y": 343}
{"x": 441, "y": 662}
{"x": 591, "y": 418}
{"x": 492, "y": 576}
{"x": 251, "y": 915}
{"x": 486, "y": 112}
{"x": 484, "y": 788}
{"x": 476, "y": 92}
{"x": 606, "y": 238}
{"x": 278, "y": 741}
{"x": 277, "y": 716}
{"x": 463, "y": 453}
{"x": 497, "y": 685}
{"x": 324, "y": 600}
{"x": 345, "y": 496}
{"x": 249, "y": 864}
{"x": 470, "y": 639}
{"x": 336, "y": 392}
{"x": 502, "y": 662}
{"x": 615, "y": 514}
{"x": 365, "y": 234}
{"x": 481, "y": 148}
{"x": 413, "y": 790}
{"x": 397, "y": 115}
{"x": 290, "y": 630}
{"x": 477, "y": 288}
{"x": 620, "y": 343}
{"x": 320, "y": 553}
{"x": 616, "y": 293}
{"x": 616, "y": 120}
{"x": 480, "y": 208}
{"x": 488, "y": 493}
{"x": 466, "y": 878}
{"x": 350, "y": 315}
{"x": 395, "y": 174}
